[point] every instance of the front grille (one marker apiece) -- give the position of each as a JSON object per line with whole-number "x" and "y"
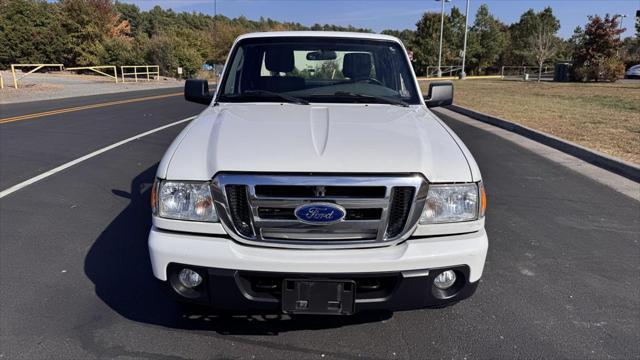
{"x": 363, "y": 214}
{"x": 401, "y": 201}
{"x": 287, "y": 214}
{"x": 320, "y": 191}
{"x": 260, "y": 209}
{"x": 239, "y": 209}
{"x": 276, "y": 213}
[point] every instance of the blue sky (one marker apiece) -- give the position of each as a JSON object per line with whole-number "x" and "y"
{"x": 398, "y": 14}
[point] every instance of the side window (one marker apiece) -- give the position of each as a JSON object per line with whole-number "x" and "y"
{"x": 235, "y": 71}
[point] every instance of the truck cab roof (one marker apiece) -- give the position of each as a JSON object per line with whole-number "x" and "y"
{"x": 325, "y": 34}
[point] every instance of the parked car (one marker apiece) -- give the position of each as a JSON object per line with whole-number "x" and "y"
{"x": 317, "y": 181}
{"x": 633, "y": 72}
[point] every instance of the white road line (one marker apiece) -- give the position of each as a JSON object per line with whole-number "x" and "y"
{"x": 45, "y": 175}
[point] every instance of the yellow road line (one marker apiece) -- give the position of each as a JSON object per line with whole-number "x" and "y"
{"x": 83, "y": 107}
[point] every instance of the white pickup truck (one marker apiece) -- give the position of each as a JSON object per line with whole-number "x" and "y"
{"x": 317, "y": 181}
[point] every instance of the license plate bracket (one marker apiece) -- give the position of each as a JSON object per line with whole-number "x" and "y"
{"x": 318, "y": 297}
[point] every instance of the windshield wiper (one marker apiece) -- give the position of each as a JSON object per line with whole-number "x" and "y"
{"x": 266, "y": 93}
{"x": 382, "y": 99}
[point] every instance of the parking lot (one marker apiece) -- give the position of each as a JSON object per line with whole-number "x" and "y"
{"x": 562, "y": 277}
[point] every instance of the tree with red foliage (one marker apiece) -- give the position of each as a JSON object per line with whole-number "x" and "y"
{"x": 596, "y": 50}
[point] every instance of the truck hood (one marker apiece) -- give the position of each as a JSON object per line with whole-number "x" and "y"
{"x": 344, "y": 138}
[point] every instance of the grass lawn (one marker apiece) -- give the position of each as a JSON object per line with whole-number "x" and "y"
{"x": 600, "y": 116}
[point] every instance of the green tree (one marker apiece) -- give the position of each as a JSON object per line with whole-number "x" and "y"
{"x": 104, "y": 32}
{"x": 125, "y": 51}
{"x": 170, "y": 51}
{"x": 86, "y": 22}
{"x": 631, "y": 46}
{"x": 576, "y": 40}
{"x": 130, "y": 13}
{"x": 425, "y": 49}
{"x": 30, "y": 32}
{"x": 407, "y": 36}
{"x": 489, "y": 39}
{"x": 454, "y": 36}
{"x": 426, "y": 40}
{"x": 530, "y": 25}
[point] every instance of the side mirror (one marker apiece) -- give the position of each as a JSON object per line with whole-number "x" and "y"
{"x": 197, "y": 91}
{"x": 440, "y": 94}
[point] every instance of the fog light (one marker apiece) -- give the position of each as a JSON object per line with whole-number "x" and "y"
{"x": 189, "y": 278}
{"x": 445, "y": 280}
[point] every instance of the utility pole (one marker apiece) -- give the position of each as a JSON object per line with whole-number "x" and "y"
{"x": 441, "y": 31}
{"x": 215, "y": 33}
{"x": 463, "y": 74}
{"x": 621, "y": 16}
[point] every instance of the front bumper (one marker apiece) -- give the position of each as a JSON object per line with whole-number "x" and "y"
{"x": 261, "y": 292}
{"x": 404, "y": 272}
{"x": 220, "y": 252}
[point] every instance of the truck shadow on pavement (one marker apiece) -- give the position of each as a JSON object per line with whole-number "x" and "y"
{"x": 119, "y": 266}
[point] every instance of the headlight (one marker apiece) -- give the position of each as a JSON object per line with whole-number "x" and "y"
{"x": 183, "y": 201}
{"x": 453, "y": 203}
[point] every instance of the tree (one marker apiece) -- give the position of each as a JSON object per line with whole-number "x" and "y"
{"x": 596, "y": 55}
{"x": 543, "y": 43}
{"x": 223, "y": 33}
{"x": 489, "y": 38}
{"x": 170, "y": 51}
{"x": 88, "y": 23}
{"x": 30, "y": 32}
{"x": 426, "y": 39}
{"x": 630, "y": 53}
{"x": 454, "y": 37}
{"x": 407, "y": 36}
{"x": 130, "y": 13}
{"x": 426, "y": 42}
{"x": 518, "y": 52}
{"x": 576, "y": 40}
{"x": 631, "y": 47}
{"x": 531, "y": 31}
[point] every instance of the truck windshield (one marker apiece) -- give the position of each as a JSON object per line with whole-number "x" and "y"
{"x": 318, "y": 70}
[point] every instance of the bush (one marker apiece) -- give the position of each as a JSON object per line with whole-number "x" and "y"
{"x": 610, "y": 69}
{"x": 170, "y": 52}
{"x": 123, "y": 51}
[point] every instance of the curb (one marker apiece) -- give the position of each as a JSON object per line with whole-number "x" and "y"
{"x": 618, "y": 166}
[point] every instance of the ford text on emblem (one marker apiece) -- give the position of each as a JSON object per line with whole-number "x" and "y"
{"x": 320, "y": 213}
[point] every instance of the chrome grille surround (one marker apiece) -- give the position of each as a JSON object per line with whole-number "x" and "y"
{"x": 292, "y": 233}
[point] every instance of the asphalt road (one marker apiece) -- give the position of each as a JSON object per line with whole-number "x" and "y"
{"x": 562, "y": 278}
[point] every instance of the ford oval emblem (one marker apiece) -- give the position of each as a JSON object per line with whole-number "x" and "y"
{"x": 320, "y": 213}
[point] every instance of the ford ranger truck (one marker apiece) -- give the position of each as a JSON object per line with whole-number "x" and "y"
{"x": 317, "y": 181}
